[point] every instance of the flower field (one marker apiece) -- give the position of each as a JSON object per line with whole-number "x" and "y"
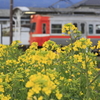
{"x": 49, "y": 73}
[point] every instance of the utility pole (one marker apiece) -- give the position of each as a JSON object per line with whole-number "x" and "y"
{"x": 11, "y": 21}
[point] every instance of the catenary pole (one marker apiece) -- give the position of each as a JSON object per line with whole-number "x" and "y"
{"x": 11, "y": 21}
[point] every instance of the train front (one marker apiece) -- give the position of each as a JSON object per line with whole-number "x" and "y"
{"x": 39, "y": 29}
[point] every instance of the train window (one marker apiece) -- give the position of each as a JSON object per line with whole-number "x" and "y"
{"x": 98, "y": 29}
{"x": 75, "y": 24}
{"x": 90, "y": 29}
{"x": 82, "y": 28}
{"x": 43, "y": 28}
{"x": 56, "y": 28}
{"x": 33, "y": 25}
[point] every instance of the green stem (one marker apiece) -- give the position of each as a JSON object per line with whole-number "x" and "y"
{"x": 45, "y": 68}
{"x": 87, "y": 81}
{"x": 87, "y": 86}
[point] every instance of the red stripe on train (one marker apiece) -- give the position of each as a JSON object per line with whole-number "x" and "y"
{"x": 93, "y": 36}
{"x": 69, "y": 37}
{"x": 59, "y": 36}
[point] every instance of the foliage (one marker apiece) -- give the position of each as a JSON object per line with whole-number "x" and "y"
{"x": 72, "y": 31}
{"x": 49, "y": 73}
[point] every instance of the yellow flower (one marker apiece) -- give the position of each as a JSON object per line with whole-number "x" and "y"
{"x": 46, "y": 90}
{"x": 58, "y": 95}
{"x": 99, "y": 84}
{"x": 73, "y": 75}
{"x": 83, "y": 46}
{"x": 40, "y": 98}
{"x": 98, "y": 45}
{"x": 75, "y": 48}
{"x": 61, "y": 78}
{"x": 92, "y": 87}
{"x": 57, "y": 82}
{"x": 1, "y": 80}
{"x": 69, "y": 32}
{"x": 98, "y": 69}
{"x": 66, "y": 71}
{"x": 96, "y": 54}
{"x": 36, "y": 88}
{"x": 58, "y": 50}
{"x": 64, "y": 62}
{"x": 30, "y": 93}
{"x": 78, "y": 73}
{"x": 63, "y": 34}
{"x": 67, "y": 28}
{"x": 2, "y": 97}
{"x": 1, "y": 88}
{"x": 81, "y": 93}
{"x": 69, "y": 80}
{"x": 89, "y": 72}
{"x": 29, "y": 84}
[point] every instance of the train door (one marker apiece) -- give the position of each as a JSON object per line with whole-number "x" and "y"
{"x": 44, "y": 28}
{"x": 82, "y": 26}
{"x": 45, "y": 31}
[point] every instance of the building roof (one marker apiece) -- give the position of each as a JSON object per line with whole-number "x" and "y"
{"x": 92, "y": 3}
{"x": 50, "y": 10}
{"x": 82, "y": 6}
{"x": 41, "y": 10}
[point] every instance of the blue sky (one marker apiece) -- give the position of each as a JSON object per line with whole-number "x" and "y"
{"x": 5, "y": 4}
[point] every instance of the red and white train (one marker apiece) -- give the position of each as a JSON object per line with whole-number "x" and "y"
{"x": 44, "y": 28}
{"x": 49, "y": 27}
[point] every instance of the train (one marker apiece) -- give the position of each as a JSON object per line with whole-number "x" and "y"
{"x": 49, "y": 27}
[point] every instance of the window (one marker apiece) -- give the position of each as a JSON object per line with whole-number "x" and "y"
{"x": 33, "y": 25}
{"x": 98, "y": 29}
{"x": 56, "y": 28}
{"x": 75, "y": 24}
{"x": 90, "y": 29}
{"x": 82, "y": 28}
{"x": 27, "y": 22}
{"x": 44, "y": 28}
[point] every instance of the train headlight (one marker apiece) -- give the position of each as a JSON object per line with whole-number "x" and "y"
{"x": 31, "y": 16}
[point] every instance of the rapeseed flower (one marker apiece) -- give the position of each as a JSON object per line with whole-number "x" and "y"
{"x": 58, "y": 95}
{"x": 1, "y": 88}
{"x": 3, "y": 97}
{"x": 40, "y": 98}
{"x": 89, "y": 72}
{"x": 98, "y": 45}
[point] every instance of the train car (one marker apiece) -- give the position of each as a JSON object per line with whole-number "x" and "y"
{"x": 45, "y": 27}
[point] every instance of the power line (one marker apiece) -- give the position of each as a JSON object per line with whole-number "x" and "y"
{"x": 67, "y": 1}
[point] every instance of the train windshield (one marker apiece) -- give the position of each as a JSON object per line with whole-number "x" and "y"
{"x": 32, "y": 27}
